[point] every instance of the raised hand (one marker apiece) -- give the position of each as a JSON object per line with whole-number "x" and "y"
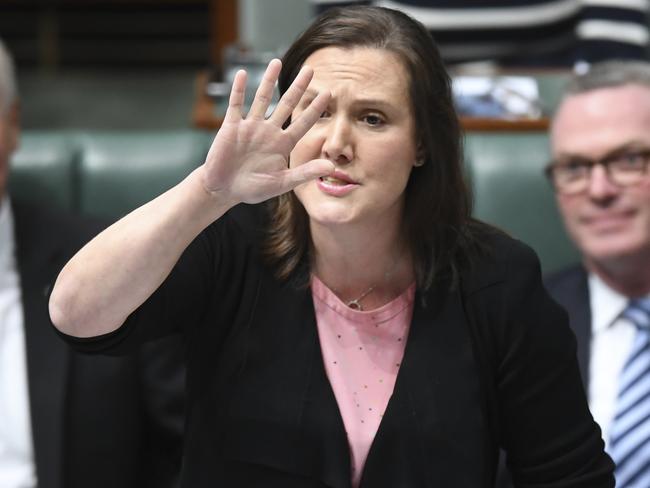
{"x": 248, "y": 160}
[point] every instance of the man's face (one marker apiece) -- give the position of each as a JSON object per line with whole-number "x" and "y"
{"x": 9, "y": 133}
{"x": 606, "y": 221}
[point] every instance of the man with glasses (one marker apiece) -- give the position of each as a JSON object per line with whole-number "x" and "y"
{"x": 600, "y": 140}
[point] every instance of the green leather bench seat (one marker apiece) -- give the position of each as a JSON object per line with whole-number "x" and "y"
{"x": 43, "y": 170}
{"x": 103, "y": 174}
{"x": 110, "y": 173}
{"x": 120, "y": 171}
{"x": 511, "y": 192}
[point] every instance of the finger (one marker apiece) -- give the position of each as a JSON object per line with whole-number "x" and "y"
{"x": 308, "y": 117}
{"x": 237, "y": 94}
{"x": 264, "y": 93}
{"x": 306, "y": 172}
{"x": 292, "y": 96}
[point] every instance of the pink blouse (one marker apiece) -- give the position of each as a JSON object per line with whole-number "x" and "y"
{"x": 362, "y": 352}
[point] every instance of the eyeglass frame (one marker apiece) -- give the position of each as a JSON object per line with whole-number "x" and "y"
{"x": 617, "y": 155}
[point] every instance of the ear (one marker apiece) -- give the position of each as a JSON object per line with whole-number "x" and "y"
{"x": 420, "y": 156}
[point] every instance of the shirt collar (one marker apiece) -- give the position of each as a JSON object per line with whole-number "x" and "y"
{"x": 606, "y": 304}
{"x": 7, "y": 243}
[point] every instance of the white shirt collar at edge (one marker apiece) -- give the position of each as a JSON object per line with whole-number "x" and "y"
{"x": 7, "y": 243}
{"x": 606, "y": 304}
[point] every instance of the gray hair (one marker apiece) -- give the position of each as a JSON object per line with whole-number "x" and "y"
{"x": 610, "y": 74}
{"x": 8, "y": 86}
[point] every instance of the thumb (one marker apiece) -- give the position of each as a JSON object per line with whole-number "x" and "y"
{"x": 307, "y": 171}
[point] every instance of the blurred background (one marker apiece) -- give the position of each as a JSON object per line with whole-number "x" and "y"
{"x": 164, "y": 64}
{"x": 121, "y": 98}
{"x": 132, "y": 64}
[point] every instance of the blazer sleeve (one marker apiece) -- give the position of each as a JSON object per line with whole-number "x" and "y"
{"x": 543, "y": 418}
{"x": 205, "y": 282}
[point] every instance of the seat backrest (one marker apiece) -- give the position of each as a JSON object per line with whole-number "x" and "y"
{"x": 120, "y": 171}
{"x": 108, "y": 174}
{"x": 512, "y": 193}
{"x": 105, "y": 174}
{"x": 43, "y": 170}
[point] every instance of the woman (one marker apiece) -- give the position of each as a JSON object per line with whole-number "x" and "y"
{"x": 360, "y": 330}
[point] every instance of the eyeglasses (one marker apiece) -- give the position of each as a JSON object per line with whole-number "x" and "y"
{"x": 624, "y": 168}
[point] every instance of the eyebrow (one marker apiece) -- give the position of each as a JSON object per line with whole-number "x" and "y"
{"x": 374, "y": 101}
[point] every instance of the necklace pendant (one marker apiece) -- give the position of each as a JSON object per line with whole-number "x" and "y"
{"x": 355, "y": 305}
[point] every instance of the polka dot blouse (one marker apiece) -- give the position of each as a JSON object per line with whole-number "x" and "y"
{"x": 362, "y": 352}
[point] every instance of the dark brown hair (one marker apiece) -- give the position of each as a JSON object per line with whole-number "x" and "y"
{"x": 437, "y": 201}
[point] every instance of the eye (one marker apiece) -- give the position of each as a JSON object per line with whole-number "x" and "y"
{"x": 631, "y": 160}
{"x": 574, "y": 166}
{"x": 373, "y": 120}
{"x": 571, "y": 170}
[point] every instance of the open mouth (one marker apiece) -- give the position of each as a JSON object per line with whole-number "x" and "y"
{"x": 330, "y": 180}
{"x": 337, "y": 184}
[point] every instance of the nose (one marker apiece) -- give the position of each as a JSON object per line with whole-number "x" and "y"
{"x": 601, "y": 187}
{"x": 338, "y": 146}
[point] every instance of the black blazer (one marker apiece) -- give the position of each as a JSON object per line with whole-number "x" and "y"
{"x": 569, "y": 288}
{"x": 97, "y": 421}
{"x": 490, "y": 363}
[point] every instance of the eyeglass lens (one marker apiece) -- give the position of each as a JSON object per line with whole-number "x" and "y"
{"x": 622, "y": 169}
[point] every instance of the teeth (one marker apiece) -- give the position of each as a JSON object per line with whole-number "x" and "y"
{"x": 333, "y": 181}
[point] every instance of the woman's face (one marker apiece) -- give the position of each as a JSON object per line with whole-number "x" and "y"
{"x": 367, "y": 131}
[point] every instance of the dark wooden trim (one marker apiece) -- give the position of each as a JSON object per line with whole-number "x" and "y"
{"x": 224, "y": 26}
{"x": 204, "y": 114}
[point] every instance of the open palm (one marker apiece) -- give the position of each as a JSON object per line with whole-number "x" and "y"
{"x": 248, "y": 160}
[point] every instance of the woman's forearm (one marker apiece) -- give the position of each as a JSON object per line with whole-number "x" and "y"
{"x": 120, "y": 268}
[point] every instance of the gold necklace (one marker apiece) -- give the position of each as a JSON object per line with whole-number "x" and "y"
{"x": 356, "y": 303}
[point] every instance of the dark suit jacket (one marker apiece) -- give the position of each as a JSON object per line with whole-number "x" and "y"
{"x": 570, "y": 289}
{"x": 490, "y": 363}
{"x": 97, "y": 422}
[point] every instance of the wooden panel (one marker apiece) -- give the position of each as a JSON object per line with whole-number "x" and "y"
{"x": 224, "y": 28}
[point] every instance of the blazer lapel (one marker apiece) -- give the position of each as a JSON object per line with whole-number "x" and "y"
{"x": 571, "y": 290}
{"x": 322, "y": 417}
{"x": 435, "y": 411}
{"x": 47, "y": 356}
{"x": 292, "y": 425}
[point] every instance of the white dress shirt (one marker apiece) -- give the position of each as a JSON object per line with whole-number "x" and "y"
{"x": 17, "y": 469}
{"x": 611, "y": 341}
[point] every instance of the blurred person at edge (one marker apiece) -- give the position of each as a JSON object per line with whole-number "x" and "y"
{"x": 69, "y": 420}
{"x": 352, "y": 326}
